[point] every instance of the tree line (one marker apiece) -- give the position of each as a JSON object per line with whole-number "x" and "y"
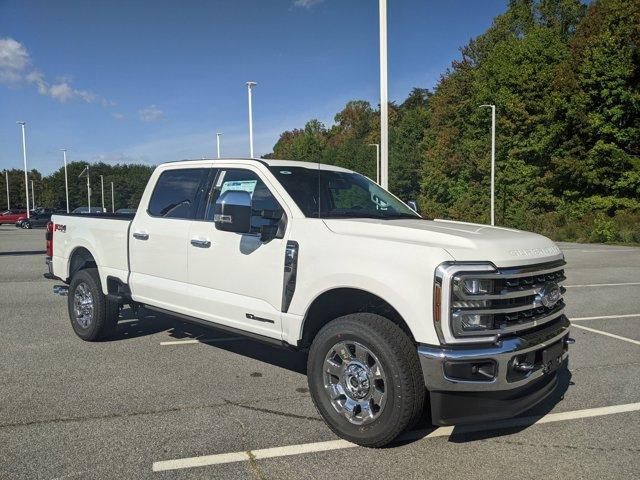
{"x": 565, "y": 79}
{"x": 129, "y": 181}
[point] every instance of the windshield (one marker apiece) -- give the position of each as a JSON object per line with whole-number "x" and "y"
{"x": 333, "y": 194}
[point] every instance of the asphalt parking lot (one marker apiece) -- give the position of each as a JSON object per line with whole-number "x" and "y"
{"x": 165, "y": 399}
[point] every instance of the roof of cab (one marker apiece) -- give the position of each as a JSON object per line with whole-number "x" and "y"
{"x": 268, "y": 162}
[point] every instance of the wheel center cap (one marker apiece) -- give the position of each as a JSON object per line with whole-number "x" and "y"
{"x": 356, "y": 381}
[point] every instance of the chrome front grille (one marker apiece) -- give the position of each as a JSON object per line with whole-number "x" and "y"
{"x": 489, "y": 302}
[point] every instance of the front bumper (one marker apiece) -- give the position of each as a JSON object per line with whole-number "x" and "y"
{"x": 509, "y": 391}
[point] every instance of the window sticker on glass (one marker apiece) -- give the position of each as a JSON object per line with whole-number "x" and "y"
{"x": 220, "y": 178}
{"x": 242, "y": 185}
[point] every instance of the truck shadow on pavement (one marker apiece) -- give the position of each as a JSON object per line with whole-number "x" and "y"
{"x": 144, "y": 322}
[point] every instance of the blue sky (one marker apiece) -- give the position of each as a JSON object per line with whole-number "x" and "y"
{"x": 152, "y": 81}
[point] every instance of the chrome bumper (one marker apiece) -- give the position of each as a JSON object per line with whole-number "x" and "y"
{"x": 504, "y": 354}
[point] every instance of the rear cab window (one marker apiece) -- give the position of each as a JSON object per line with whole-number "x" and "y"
{"x": 176, "y": 193}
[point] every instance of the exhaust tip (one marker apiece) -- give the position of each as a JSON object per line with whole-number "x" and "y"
{"x": 61, "y": 290}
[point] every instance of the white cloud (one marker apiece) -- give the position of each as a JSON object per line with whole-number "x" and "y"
{"x": 306, "y": 3}
{"x": 118, "y": 115}
{"x": 150, "y": 114}
{"x": 37, "y": 78}
{"x": 14, "y": 60}
{"x": 16, "y": 68}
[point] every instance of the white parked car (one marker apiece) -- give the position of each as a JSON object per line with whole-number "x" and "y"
{"x": 393, "y": 309}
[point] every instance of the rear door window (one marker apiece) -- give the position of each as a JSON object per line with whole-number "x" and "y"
{"x": 176, "y": 193}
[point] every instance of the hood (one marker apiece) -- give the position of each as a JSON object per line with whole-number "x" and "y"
{"x": 468, "y": 242}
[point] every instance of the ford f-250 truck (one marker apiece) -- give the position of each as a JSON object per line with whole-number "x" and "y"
{"x": 394, "y": 310}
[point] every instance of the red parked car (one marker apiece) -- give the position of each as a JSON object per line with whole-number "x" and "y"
{"x": 12, "y": 216}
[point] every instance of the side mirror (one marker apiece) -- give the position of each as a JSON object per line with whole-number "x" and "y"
{"x": 413, "y": 205}
{"x": 232, "y": 212}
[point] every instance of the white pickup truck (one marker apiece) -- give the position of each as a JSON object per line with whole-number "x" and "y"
{"x": 397, "y": 312}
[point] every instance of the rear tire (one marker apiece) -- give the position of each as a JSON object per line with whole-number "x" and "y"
{"x": 365, "y": 379}
{"x": 93, "y": 316}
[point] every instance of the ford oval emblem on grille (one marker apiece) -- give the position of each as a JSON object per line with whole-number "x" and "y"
{"x": 549, "y": 294}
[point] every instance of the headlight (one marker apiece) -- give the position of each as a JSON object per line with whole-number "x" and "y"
{"x": 477, "y": 286}
{"x": 464, "y": 323}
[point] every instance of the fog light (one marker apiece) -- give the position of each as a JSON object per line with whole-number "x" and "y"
{"x": 482, "y": 371}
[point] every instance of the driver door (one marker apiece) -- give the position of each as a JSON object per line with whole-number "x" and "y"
{"x": 237, "y": 279}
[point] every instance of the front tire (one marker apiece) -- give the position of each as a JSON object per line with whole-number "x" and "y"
{"x": 93, "y": 316}
{"x": 365, "y": 379}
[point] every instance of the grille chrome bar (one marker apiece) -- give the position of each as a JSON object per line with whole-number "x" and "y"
{"x": 497, "y": 311}
{"x": 524, "y": 292}
{"x": 516, "y": 327}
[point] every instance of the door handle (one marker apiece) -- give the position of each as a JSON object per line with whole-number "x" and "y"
{"x": 141, "y": 235}
{"x": 196, "y": 242}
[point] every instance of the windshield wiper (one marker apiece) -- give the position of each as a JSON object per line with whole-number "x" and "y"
{"x": 395, "y": 216}
{"x": 378, "y": 216}
{"x": 351, "y": 215}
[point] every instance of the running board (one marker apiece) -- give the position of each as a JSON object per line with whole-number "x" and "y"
{"x": 237, "y": 331}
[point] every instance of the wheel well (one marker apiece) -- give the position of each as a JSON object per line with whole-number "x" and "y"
{"x": 343, "y": 301}
{"x": 80, "y": 258}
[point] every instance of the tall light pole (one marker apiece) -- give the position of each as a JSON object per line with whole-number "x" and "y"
{"x": 113, "y": 203}
{"x": 250, "y": 86}
{"x": 24, "y": 157}
{"x": 384, "y": 98}
{"x": 218, "y": 143}
{"x": 493, "y": 160}
{"x": 102, "y": 190}
{"x": 86, "y": 170}
{"x": 33, "y": 196}
{"x": 66, "y": 179}
{"x": 6, "y": 176}
{"x": 377, "y": 145}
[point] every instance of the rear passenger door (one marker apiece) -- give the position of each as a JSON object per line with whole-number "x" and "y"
{"x": 158, "y": 238}
{"x": 237, "y": 279}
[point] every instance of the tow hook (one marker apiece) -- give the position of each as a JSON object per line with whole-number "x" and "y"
{"x": 524, "y": 367}
{"x": 569, "y": 341}
{"x": 62, "y": 290}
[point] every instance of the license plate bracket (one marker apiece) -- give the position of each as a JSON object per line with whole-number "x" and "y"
{"x": 552, "y": 356}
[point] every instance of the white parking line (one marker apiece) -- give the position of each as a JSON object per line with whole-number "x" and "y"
{"x": 288, "y": 450}
{"x": 603, "y": 285}
{"x": 605, "y": 317}
{"x": 607, "y": 334}
{"x": 203, "y": 340}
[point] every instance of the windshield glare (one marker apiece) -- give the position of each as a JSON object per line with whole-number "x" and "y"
{"x": 333, "y": 194}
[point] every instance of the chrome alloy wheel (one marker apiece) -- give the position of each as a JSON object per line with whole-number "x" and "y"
{"x": 83, "y": 305}
{"x": 355, "y": 382}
